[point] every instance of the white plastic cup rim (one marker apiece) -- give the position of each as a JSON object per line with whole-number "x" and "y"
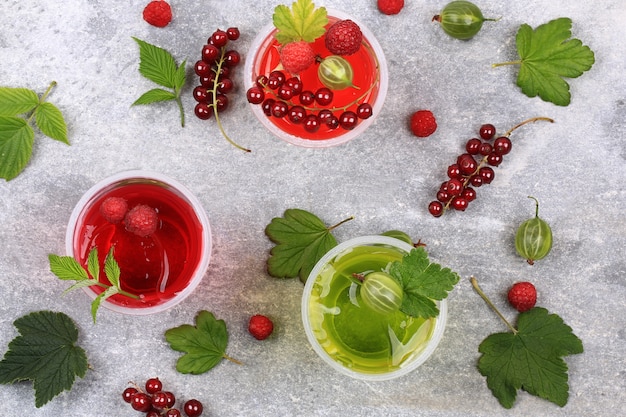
{"x": 249, "y": 81}
{"x": 140, "y": 175}
{"x": 407, "y": 367}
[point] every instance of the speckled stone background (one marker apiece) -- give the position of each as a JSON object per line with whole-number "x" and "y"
{"x": 384, "y": 178}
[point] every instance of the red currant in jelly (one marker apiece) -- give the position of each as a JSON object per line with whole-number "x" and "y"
{"x": 311, "y": 123}
{"x": 193, "y": 408}
{"x": 255, "y": 95}
{"x": 296, "y": 114}
{"x": 307, "y": 98}
{"x": 267, "y": 106}
{"x": 348, "y": 120}
{"x": 279, "y": 109}
{"x": 324, "y": 96}
{"x": 364, "y": 111}
{"x": 487, "y": 131}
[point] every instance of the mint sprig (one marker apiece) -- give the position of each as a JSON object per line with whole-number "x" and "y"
{"x": 67, "y": 268}
{"x": 46, "y": 353}
{"x": 17, "y": 136}
{"x": 159, "y": 66}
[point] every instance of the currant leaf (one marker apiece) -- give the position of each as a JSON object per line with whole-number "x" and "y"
{"x": 530, "y": 359}
{"x": 302, "y": 22}
{"x": 204, "y": 344}
{"x": 46, "y": 353}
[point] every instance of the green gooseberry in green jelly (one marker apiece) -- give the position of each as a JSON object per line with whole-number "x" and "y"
{"x": 381, "y": 293}
{"x": 398, "y": 234}
{"x": 461, "y": 19}
{"x": 335, "y": 72}
{"x": 533, "y": 239}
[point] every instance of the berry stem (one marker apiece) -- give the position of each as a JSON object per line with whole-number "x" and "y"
{"x": 531, "y": 120}
{"x": 233, "y": 360}
{"x": 340, "y": 223}
{"x": 488, "y": 301}
{"x": 214, "y": 104}
{"x": 42, "y": 99}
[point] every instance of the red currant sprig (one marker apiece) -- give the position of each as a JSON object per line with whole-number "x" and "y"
{"x": 214, "y": 72}
{"x": 156, "y": 402}
{"x": 468, "y": 173}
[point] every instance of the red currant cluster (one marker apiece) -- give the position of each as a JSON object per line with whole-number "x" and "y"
{"x": 469, "y": 173}
{"x": 158, "y": 403}
{"x": 282, "y": 97}
{"x": 214, "y": 73}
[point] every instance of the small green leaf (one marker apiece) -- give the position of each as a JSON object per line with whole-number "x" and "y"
{"x": 422, "y": 282}
{"x": 50, "y": 121}
{"x": 112, "y": 269}
{"x": 204, "y": 344}
{"x": 154, "y": 96}
{"x": 14, "y": 101}
{"x": 46, "y": 353}
{"x": 156, "y": 64}
{"x": 95, "y": 304}
{"x": 530, "y": 359}
{"x": 16, "y": 146}
{"x": 301, "y": 240}
{"x": 67, "y": 268}
{"x": 181, "y": 76}
{"x": 302, "y": 22}
{"x": 93, "y": 264}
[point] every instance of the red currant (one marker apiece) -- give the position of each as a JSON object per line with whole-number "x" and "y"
{"x": 454, "y": 186}
{"x": 443, "y": 196}
{"x": 159, "y": 400}
{"x": 172, "y": 412}
{"x": 232, "y": 58}
{"x": 469, "y": 194}
{"x": 348, "y": 120}
{"x": 153, "y": 385}
{"x": 203, "y": 111}
{"x": 494, "y": 159}
{"x": 459, "y": 203}
{"x": 141, "y": 402}
{"x": 487, "y": 174}
{"x": 225, "y": 86}
{"x": 473, "y": 146}
{"x": 502, "y": 145}
{"x": 454, "y": 171}
{"x": 128, "y": 394}
{"x": 171, "y": 399}
{"x": 219, "y": 38}
{"x": 364, "y": 111}
{"x": 255, "y": 95}
{"x": 201, "y": 68}
{"x": 435, "y": 208}
{"x": 153, "y": 413}
{"x": 210, "y": 53}
{"x": 201, "y": 94}
{"x": 467, "y": 164}
{"x": 193, "y": 408}
{"x": 324, "y": 96}
{"x": 311, "y": 123}
{"x": 485, "y": 149}
{"x": 487, "y": 131}
{"x": 232, "y": 33}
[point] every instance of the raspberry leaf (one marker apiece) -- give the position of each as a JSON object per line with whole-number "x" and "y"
{"x": 530, "y": 358}
{"x": 204, "y": 344}
{"x": 303, "y": 22}
{"x": 14, "y": 101}
{"x": 16, "y": 146}
{"x": 159, "y": 66}
{"x": 547, "y": 56}
{"x": 51, "y": 123}
{"x": 46, "y": 353}
{"x": 301, "y": 240}
{"x": 422, "y": 282}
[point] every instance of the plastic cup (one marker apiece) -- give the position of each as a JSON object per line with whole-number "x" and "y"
{"x": 177, "y": 255}
{"x": 256, "y": 66}
{"x": 323, "y": 304}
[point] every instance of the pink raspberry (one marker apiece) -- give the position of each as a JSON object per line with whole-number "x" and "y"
{"x": 113, "y": 209}
{"x": 141, "y": 220}
{"x": 297, "y": 56}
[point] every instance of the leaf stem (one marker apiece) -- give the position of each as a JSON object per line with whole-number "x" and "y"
{"x": 501, "y": 64}
{"x": 233, "y": 360}
{"x": 488, "y": 301}
{"x": 531, "y": 120}
{"x": 340, "y": 223}
{"x": 45, "y": 95}
{"x": 180, "y": 107}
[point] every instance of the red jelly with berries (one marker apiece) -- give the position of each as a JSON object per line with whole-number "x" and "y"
{"x": 370, "y": 86}
{"x": 161, "y": 268}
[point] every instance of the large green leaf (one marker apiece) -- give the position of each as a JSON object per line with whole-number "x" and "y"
{"x": 16, "y": 146}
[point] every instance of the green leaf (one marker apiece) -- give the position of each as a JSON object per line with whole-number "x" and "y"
{"x": 180, "y": 76}
{"x": 14, "y": 101}
{"x": 302, "y": 22}
{"x": 156, "y": 64}
{"x": 50, "y": 121}
{"x": 16, "y": 146}
{"x": 93, "y": 264}
{"x": 95, "y": 304}
{"x": 530, "y": 359}
{"x": 154, "y": 96}
{"x": 46, "y": 353}
{"x": 301, "y": 240}
{"x": 422, "y": 282}
{"x": 204, "y": 344}
{"x": 112, "y": 269}
{"x": 67, "y": 268}
{"x": 547, "y": 55}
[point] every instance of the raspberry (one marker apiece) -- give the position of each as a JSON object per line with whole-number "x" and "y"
{"x": 390, "y": 6}
{"x": 260, "y": 326}
{"x": 522, "y": 296}
{"x": 113, "y": 209}
{"x": 344, "y": 37}
{"x": 297, "y": 56}
{"x": 423, "y": 123}
{"x": 141, "y": 220}
{"x": 158, "y": 13}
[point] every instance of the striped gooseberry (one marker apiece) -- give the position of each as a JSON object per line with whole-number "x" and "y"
{"x": 533, "y": 239}
{"x": 335, "y": 72}
{"x": 461, "y": 19}
{"x": 381, "y": 293}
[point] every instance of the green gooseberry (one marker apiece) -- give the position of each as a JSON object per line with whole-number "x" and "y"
{"x": 335, "y": 72}
{"x": 398, "y": 234}
{"x": 381, "y": 293}
{"x": 533, "y": 239}
{"x": 461, "y": 19}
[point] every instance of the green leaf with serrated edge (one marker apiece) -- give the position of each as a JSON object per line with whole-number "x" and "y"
{"x": 50, "y": 121}
{"x": 16, "y": 146}
{"x": 301, "y": 240}
{"x": 67, "y": 268}
{"x": 154, "y": 96}
{"x": 156, "y": 64}
{"x": 112, "y": 269}
{"x": 46, "y": 353}
{"x": 80, "y": 284}
{"x": 93, "y": 264}
{"x": 302, "y": 22}
{"x": 14, "y": 101}
{"x": 531, "y": 359}
{"x": 204, "y": 344}
{"x": 95, "y": 304}
{"x": 422, "y": 282}
{"x": 547, "y": 55}
{"x": 181, "y": 76}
